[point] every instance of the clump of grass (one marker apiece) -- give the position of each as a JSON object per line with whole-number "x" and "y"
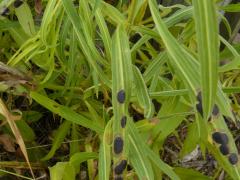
{"x": 114, "y": 82}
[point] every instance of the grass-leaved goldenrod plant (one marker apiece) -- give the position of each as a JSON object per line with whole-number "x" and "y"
{"x": 127, "y": 89}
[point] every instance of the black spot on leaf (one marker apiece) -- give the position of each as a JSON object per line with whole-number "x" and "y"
{"x": 220, "y": 138}
{"x": 199, "y": 104}
{"x": 17, "y": 3}
{"x": 233, "y": 158}
{"x": 123, "y": 121}
{"x": 118, "y": 145}
{"x": 199, "y": 109}
{"x": 5, "y": 12}
{"x": 199, "y": 96}
{"x": 121, "y": 96}
{"x": 215, "y": 111}
{"x": 120, "y": 167}
{"x": 224, "y": 149}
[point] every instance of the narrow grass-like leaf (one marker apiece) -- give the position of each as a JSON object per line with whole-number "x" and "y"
{"x": 122, "y": 76}
{"x": 154, "y": 66}
{"x": 26, "y": 131}
{"x": 175, "y": 51}
{"x": 186, "y": 174}
{"x": 25, "y": 18}
{"x": 74, "y": 18}
{"x": 208, "y": 53}
{"x": 186, "y": 65}
{"x": 177, "y": 17}
{"x": 231, "y": 7}
{"x": 65, "y": 112}
{"x": 142, "y": 93}
{"x": 115, "y": 16}
{"x": 165, "y": 168}
{"x": 104, "y": 32}
{"x": 134, "y": 9}
{"x": 105, "y": 153}
{"x": 58, "y": 139}
{"x": 138, "y": 158}
{"x": 176, "y": 92}
{"x": 217, "y": 124}
{"x": 74, "y": 145}
{"x": 80, "y": 157}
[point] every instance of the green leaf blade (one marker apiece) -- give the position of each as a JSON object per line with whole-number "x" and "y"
{"x": 208, "y": 53}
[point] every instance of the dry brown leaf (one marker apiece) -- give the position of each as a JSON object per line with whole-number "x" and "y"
{"x": 7, "y": 142}
{"x": 38, "y": 6}
{"x": 11, "y": 121}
